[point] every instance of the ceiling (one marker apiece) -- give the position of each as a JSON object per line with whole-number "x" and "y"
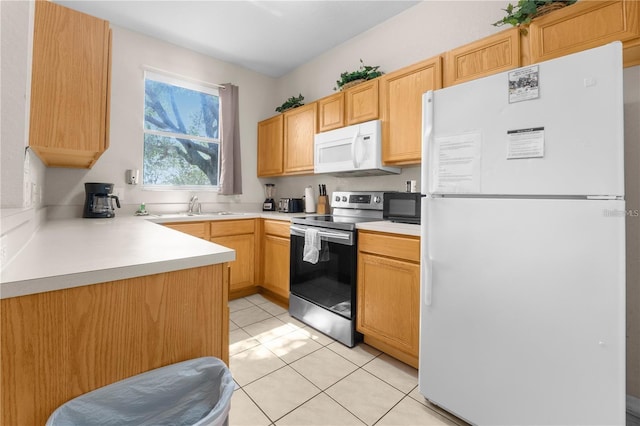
{"x": 269, "y": 37}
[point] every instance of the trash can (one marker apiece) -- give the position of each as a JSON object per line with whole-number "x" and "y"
{"x": 194, "y": 392}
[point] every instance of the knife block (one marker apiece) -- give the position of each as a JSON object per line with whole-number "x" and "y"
{"x": 323, "y": 205}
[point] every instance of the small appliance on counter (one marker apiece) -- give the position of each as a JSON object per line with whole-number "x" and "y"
{"x": 291, "y": 205}
{"x": 269, "y": 204}
{"x": 402, "y": 207}
{"x": 98, "y": 202}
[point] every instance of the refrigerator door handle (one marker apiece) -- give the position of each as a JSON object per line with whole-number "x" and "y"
{"x": 426, "y": 268}
{"x": 426, "y": 265}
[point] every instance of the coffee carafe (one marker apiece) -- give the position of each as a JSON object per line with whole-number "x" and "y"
{"x": 98, "y": 202}
{"x": 269, "y": 204}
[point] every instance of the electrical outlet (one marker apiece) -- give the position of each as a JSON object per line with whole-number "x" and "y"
{"x": 119, "y": 192}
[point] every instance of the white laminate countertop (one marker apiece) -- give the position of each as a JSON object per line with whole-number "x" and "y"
{"x": 390, "y": 227}
{"x": 76, "y": 252}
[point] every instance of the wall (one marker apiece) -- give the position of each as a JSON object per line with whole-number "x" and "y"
{"x": 22, "y": 173}
{"x": 632, "y": 191}
{"x": 131, "y": 51}
{"x": 420, "y": 32}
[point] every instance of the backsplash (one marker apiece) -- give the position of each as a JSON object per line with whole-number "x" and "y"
{"x": 293, "y": 186}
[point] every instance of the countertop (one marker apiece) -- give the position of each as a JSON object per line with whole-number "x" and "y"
{"x": 75, "y": 252}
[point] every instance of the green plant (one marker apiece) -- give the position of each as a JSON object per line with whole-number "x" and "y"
{"x": 364, "y": 72}
{"x": 525, "y": 10}
{"x": 292, "y": 102}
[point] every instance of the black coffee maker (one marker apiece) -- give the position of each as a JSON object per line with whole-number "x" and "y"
{"x": 98, "y": 202}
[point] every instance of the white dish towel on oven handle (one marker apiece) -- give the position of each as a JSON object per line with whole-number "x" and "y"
{"x": 311, "y": 249}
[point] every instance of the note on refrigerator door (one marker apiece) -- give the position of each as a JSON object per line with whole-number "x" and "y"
{"x": 455, "y": 164}
{"x": 525, "y": 143}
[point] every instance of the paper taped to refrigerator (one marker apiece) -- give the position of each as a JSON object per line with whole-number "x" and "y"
{"x": 456, "y": 163}
{"x": 525, "y": 143}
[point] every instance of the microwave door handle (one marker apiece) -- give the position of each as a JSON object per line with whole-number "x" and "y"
{"x": 353, "y": 148}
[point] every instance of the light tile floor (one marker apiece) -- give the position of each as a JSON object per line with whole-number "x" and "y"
{"x": 290, "y": 374}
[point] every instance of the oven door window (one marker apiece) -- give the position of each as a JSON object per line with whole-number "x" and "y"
{"x": 329, "y": 283}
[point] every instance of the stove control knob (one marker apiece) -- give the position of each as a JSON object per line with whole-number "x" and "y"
{"x": 344, "y": 199}
{"x": 377, "y": 199}
{"x": 337, "y": 198}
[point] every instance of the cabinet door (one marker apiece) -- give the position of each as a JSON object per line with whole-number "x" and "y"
{"x": 196, "y": 229}
{"x": 69, "y": 86}
{"x": 585, "y": 25}
{"x": 331, "y": 112}
{"x": 361, "y": 102}
{"x": 243, "y": 268}
{"x": 401, "y": 109}
{"x": 299, "y": 130}
{"x": 389, "y": 303}
{"x": 276, "y": 265}
{"x": 487, "y": 56}
{"x": 270, "y": 146}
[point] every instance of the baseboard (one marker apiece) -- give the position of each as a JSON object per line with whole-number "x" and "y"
{"x": 633, "y": 405}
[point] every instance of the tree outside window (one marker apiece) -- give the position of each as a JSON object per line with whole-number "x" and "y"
{"x": 181, "y": 134}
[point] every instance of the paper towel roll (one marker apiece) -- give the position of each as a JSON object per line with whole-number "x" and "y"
{"x": 309, "y": 200}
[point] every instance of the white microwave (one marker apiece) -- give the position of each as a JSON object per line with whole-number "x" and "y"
{"x": 351, "y": 151}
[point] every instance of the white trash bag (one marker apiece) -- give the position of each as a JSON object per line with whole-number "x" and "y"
{"x": 196, "y": 392}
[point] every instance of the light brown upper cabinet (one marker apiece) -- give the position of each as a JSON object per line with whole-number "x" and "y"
{"x": 361, "y": 102}
{"x": 69, "y": 123}
{"x": 401, "y": 109}
{"x": 585, "y": 25}
{"x": 490, "y": 55}
{"x": 331, "y": 112}
{"x": 270, "y": 146}
{"x": 300, "y": 126}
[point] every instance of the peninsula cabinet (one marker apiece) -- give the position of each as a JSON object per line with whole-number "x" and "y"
{"x": 270, "y": 147}
{"x": 585, "y": 25}
{"x": 389, "y": 293}
{"x": 401, "y": 109}
{"x": 490, "y": 55}
{"x": 61, "y": 344}
{"x": 69, "y": 118}
{"x": 300, "y": 126}
{"x": 275, "y": 258}
{"x": 240, "y": 236}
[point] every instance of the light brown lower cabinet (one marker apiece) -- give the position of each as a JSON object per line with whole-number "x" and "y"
{"x": 389, "y": 293}
{"x": 61, "y": 344}
{"x": 275, "y": 257}
{"x": 240, "y": 236}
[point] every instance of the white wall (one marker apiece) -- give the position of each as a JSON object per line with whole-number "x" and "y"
{"x": 632, "y": 191}
{"x": 131, "y": 51}
{"x": 22, "y": 174}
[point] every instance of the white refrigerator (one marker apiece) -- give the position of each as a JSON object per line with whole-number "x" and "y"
{"x": 523, "y": 245}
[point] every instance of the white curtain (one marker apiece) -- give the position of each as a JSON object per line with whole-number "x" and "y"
{"x": 230, "y": 168}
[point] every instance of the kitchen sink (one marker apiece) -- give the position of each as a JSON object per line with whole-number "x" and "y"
{"x": 202, "y": 215}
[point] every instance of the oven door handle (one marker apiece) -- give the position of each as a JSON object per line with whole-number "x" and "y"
{"x": 340, "y": 236}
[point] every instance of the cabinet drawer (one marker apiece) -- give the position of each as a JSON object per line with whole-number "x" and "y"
{"x": 279, "y": 228}
{"x": 197, "y": 229}
{"x": 232, "y": 227}
{"x": 402, "y": 247}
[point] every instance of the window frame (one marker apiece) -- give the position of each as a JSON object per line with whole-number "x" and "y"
{"x": 190, "y": 84}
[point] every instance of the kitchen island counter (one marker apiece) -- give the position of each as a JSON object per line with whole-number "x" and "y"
{"x": 70, "y": 253}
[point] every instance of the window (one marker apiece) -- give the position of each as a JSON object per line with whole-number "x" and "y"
{"x": 181, "y": 134}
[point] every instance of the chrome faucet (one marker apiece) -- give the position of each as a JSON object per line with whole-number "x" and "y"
{"x": 192, "y": 205}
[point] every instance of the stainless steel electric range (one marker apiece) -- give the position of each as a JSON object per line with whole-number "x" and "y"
{"x": 323, "y": 293}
